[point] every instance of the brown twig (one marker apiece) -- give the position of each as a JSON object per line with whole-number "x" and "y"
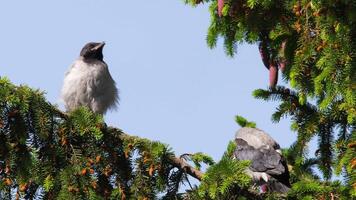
{"x": 182, "y": 165}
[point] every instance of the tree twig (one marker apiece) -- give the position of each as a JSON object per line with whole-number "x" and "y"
{"x": 181, "y": 164}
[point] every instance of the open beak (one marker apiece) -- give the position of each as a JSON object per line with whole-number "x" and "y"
{"x": 99, "y": 46}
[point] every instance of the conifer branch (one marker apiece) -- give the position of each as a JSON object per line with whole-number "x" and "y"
{"x": 182, "y": 165}
{"x": 175, "y": 161}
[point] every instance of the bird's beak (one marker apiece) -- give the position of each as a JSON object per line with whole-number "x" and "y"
{"x": 99, "y": 46}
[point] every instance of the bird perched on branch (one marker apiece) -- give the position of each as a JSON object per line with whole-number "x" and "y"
{"x": 88, "y": 82}
{"x": 268, "y": 167}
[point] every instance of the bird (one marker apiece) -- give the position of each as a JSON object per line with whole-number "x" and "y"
{"x": 88, "y": 82}
{"x": 268, "y": 168}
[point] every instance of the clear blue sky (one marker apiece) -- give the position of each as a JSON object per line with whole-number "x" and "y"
{"x": 173, "y": 88}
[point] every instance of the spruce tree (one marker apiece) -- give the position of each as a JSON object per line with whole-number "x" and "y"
{"x": 311, "y": 45}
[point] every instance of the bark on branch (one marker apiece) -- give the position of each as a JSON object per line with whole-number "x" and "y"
{"x": 182, "y": 165}
{"x": 179, "y": 163}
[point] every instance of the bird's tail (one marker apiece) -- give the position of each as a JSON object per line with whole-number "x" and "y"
{"x": 276, "y": 186}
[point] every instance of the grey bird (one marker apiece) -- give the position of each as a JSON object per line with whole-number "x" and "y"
{"x": 268, "y": 167}
{"x": 88, "y": 82}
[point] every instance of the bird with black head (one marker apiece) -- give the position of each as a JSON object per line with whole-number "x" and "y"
{"x": 88, "y": 82}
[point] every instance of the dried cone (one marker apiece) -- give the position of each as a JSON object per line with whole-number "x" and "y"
{"x": 146, "y": 159}
{"x": 94, "y": 185}
{"x": 98, "y": 158}
{"x": 220, "y": 7}
{"x": 297, "y": 26}
{"x": 273, "y": 75}
{"x": 7, "y": 170}
{"x": 319, "y": 48}
{"x": 84, "y": 171}
{"x": 70, "y": 189}
{"x": 99, "y": 126}
{"x": 23, "y": 187}
{"x": 8, "y": 182}
{"x": 282, "y": 65}
{"x": 353, "y": 163}
{"x": 151, "y": 169}
{"x": 352, "y": 145}
{"x": 73, "y": 189}
{"x": 107, "y": 171}
{"x": 64, "y": 141}
{"x": 130, "y": 146}
{"x": 122, "y": 192}
{"x": 126, "y": 154}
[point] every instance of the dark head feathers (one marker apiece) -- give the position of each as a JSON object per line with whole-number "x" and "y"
{"x": 93, "y": 50}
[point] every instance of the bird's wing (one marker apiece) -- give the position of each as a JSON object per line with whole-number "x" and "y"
{"x": 102, "y": 80}
{"x": 262, "y": 160}
{"x": 265, "y": 160}
{"x": 273, "y": 161}
{"x": 102, "y": 88}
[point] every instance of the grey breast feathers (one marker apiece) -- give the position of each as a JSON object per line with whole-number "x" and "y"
{"x": 89, "y": 84}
